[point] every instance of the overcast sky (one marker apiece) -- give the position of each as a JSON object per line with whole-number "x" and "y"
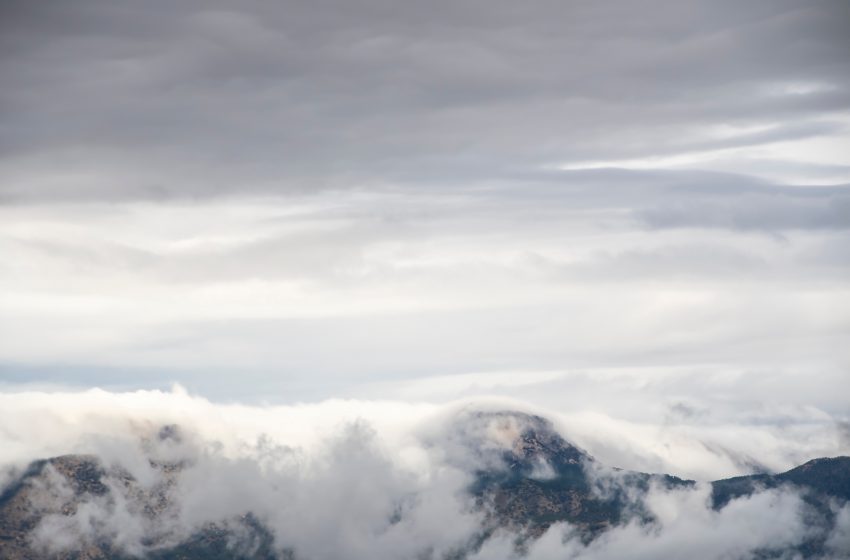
{"x": 570, "y": 202}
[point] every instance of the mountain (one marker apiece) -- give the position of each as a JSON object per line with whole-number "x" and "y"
{"x": 594, "y": 498}
{"x": 525, "y": 478}
{"x": 549, "y": 480}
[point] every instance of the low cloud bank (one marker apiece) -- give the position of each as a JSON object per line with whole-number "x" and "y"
{"x": 771, "y": 523}
{"x": 340, "y": 479}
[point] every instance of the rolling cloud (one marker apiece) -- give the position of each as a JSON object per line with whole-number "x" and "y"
{"x": 353, "y": 466}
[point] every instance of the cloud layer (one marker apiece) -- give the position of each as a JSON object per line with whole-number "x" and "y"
{"x": 112, "y": 101}
{"x": 391, "y": 480}
{"x": 326, "y": 197}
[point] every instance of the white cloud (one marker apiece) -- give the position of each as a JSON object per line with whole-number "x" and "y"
{"x": 426, "y": 285}
{"x": 358, "y": 465}
{"x": 685, "y": 525}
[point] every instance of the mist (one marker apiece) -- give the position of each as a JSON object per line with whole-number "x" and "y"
{"x": 360, "y": 479}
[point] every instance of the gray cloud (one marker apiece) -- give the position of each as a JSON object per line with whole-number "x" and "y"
{"x": 769, "y": 209}
{"x": 109, "y": 101}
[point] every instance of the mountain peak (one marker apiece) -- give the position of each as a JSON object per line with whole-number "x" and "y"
{"x": 524, "y": 442}
{"x": 525, "y": 478}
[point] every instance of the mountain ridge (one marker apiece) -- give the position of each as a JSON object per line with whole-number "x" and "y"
{"x": 528, "y": 479}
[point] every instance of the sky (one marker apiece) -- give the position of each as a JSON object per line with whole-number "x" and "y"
{"x": 316, "y": 235}
{"x": 639, "y": 210}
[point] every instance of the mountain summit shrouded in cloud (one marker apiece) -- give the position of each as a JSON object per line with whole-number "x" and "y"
{"x": 440, "y": 279}
{"x": 468, "y": 481}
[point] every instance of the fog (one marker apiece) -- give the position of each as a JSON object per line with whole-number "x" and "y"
{"x": 360, "y": 479}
